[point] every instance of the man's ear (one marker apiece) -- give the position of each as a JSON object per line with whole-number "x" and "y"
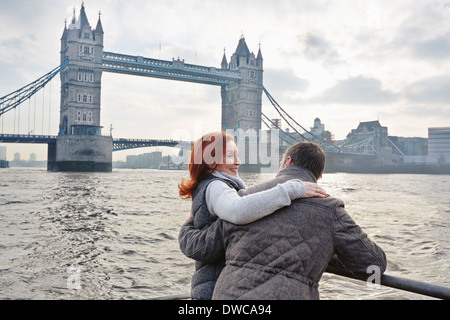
{"x": 288, "y": 161}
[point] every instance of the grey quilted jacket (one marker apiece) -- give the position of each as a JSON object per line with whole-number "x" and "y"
{"x": 283, "y": 255}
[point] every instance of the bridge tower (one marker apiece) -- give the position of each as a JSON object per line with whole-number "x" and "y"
{"x": 80, "y": 145}
{"x": 242, "y": 100}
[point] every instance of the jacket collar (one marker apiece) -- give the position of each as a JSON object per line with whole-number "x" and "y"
{"x": 223, "y": 175}
{"x": 297, "y": 172}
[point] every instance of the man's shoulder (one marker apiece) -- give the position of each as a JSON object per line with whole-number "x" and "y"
{"x": 330, "y": 203}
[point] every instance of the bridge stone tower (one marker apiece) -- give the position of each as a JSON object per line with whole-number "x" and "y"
{"x": 242, "y": 100}
{"x": 80, "y": 145}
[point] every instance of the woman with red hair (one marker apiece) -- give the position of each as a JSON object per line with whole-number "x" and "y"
{"x": 213, "y": 186}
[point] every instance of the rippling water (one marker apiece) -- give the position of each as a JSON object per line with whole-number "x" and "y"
{"x": 114, "y": 235}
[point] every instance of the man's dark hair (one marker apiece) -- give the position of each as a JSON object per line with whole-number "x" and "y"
{"x": 307, "y": 155}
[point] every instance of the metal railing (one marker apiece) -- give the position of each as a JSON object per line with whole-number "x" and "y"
{"x": 418, "y": 287}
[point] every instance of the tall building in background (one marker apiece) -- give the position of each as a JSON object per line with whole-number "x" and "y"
{"x": 81, "y": 79}
{"x": 276, "y": 123}
{"x": 241, "y": 101}
{"x": 80, "y": 145}
{"x": 2, "y": 153}
{"x": 3, "y": 162}
{"x": 439, "y": 143}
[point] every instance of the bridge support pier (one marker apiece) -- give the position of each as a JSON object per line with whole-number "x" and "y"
{"x": 80, "y": 153}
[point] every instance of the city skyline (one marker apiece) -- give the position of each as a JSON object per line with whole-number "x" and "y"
{"x": 343, "y": 62}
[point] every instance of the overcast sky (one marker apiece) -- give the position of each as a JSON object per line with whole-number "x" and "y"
{"x": 344, "y": 61}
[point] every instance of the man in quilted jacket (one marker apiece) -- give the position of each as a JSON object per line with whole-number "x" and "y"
{"x": 284, "y": 255}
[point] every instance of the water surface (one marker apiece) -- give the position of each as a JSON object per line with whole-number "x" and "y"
{"x": 114, "y": 235}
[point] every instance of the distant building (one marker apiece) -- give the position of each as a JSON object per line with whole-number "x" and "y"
{"x": 318, "y": 128}
{"x": 437, "y": 148}
{"x": 411, "y": 146}
{"x": 145, "y": 161}
{"x": 374, "y": 131}
{"x": 3, "y": 162}
{"x": 319, "y": 131}
{"x": 438, "y": 141}
{"x": 276, "y": 124}
{"x": 3, "y": 153}
{"x": 439, "y": 144}
{"x": 369, "y": 128}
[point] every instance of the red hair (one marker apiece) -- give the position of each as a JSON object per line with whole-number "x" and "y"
{"x": 204, "y": 160}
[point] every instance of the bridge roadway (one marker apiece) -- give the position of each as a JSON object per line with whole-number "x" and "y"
{"x": 26, "y": 138}
{"x": 172, "y": 70}
{"x": 118, "y": 144}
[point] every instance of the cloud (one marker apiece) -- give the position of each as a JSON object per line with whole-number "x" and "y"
{"x": 356, "y": 90}
{"x": 435, "y": 48}
{"x": 432, "y": 90}
{"x": 422, "y": 32}
{"x": 317, "y": 48}
{"x": 284, "y": 80}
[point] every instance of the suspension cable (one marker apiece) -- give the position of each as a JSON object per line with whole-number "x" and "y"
{"x": 49, "y": 108}
{"x": 14, "y": 99}
{"x": 284, "y": 133}
{"x": 286, "y": 117}
{"x": 34, "y": 116}
{"x": 29, "y": 114}
{"x": 43, "y": 111}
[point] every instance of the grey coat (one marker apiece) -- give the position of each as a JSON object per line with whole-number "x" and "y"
{"x": 283, "y": 255}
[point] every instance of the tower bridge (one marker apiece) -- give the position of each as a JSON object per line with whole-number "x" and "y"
{"x": 80, "y": 145}
{"x": 82, "y": 47}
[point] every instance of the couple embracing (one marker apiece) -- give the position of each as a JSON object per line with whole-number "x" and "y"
{"x": 270, "y": 241}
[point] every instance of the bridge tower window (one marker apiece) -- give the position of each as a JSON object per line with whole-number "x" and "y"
{"x": 85, "y": 98}
{"x": 86, "y": 77}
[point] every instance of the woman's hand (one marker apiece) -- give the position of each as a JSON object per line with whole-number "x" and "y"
{"x": 313, "y": 190}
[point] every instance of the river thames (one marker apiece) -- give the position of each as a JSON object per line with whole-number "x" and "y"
{"x": 115, "y": 235}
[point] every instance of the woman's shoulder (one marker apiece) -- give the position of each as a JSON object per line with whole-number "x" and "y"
{"x": 218, "y": 184}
